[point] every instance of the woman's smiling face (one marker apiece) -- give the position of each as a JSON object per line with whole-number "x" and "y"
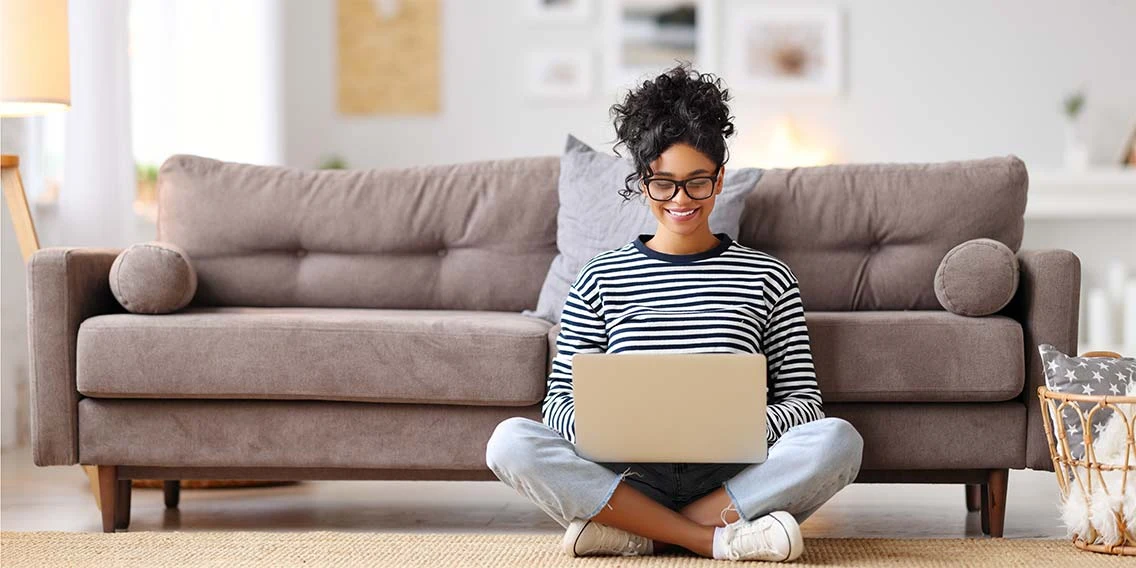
{"x": 682, "y": 215}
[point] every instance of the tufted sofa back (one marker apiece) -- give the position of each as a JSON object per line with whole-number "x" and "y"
{"x": 870, "y": 236}
{"x": 476, "y": 236}
{"x": 481, "y": 235}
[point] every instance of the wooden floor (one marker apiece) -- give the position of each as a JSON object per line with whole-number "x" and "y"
{"x": 58, "y": 499}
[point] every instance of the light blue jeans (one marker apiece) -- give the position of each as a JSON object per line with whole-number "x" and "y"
{"x": 803, "y": 470}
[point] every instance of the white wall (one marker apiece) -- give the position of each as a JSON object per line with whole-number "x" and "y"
{"x": 207, "y": 79}
{"x": 927, "y": 80}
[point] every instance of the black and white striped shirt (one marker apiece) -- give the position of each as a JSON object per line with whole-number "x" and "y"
{"x": 729, "y": 299}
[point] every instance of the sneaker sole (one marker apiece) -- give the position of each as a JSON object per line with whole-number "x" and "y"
{"x": 793, "y": 529}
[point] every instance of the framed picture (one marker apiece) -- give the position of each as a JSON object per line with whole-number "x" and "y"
{"x": 646, "y": 37}
{"x": 566, "y": 11}
{"x": 785, "y": 50}
{"x": 558, "y": 74}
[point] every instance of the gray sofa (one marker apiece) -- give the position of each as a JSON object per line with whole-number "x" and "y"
{"x": 366, "y": 324}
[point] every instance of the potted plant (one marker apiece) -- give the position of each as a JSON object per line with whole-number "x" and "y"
{"x": 1076, "y": 153}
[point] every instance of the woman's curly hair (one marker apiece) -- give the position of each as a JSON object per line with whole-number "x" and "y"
{"x": 680, "y": 105}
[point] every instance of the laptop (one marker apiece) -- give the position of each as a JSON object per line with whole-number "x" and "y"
{"x": 670, "y": 407}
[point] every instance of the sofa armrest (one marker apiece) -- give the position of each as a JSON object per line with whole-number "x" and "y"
{"x": 1047, "y": 304}
{"x": 65, "y": 286}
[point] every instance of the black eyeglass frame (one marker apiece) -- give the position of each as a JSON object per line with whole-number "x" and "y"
{"x": 682, "y": 185}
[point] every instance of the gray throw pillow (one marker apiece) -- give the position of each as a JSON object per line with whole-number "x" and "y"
{"x": 1085, "y": 375}
{"x": 977, "y": 278}
{"x": 593, "y": 218}
{"x": 153, "y": 278}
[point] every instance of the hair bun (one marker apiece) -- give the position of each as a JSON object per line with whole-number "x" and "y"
{"x": 680, "y": 105}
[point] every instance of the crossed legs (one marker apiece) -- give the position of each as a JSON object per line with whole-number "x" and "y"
{"x": 808, "y": 465}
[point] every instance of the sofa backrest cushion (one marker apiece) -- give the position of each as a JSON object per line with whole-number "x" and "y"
{"x": 871, "y": 236}
{"x": 481, "y": 235}
{"x": 478, "y": 235}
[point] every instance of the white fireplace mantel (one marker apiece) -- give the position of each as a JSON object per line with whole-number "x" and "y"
{"x": 1097, "y": 193}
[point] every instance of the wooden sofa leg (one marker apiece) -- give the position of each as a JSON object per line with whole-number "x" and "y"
{"x": 108, "y": 495}
{"x": 171, "y": 488}
{"x": 994, "y": 504}
{"x": 122, "y": 505}
{"x": 973, "y": 497}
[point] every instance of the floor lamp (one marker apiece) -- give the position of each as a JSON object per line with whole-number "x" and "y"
{"x": 18, "y": 205}
{"x": 35, "y": 78}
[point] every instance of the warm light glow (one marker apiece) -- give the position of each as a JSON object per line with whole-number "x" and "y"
{"x": 785, "y": 149}
{"x": 18, "y": 108}
{"x": 35, "y": 74}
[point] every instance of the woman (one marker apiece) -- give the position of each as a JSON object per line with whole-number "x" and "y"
{"x": 683, "y": 289}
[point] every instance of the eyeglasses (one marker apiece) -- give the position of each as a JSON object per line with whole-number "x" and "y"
{"x": 697, "y": 188}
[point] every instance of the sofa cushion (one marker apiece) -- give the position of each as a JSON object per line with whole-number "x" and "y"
{"x": 445, "y": 357}
{"x": 977, "y": 278}
{"x": 916, "y": 356}
{"x": 1094, "y": 376}
{"x": 153, "y": 278}
{"x": 593, "y": 218}
{"x": 871, "y": 236}
{"x": 910, "y": 356}
{"x": 416, "y": 237}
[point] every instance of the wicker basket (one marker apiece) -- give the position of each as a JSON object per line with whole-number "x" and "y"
{"x": 1086, "y": 472}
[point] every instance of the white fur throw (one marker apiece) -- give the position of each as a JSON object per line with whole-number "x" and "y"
{"x": 1095, "y": 519}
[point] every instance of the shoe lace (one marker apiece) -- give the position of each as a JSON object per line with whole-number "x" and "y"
{"x": 621, "y": 541}
{"x": 731, "y": 507}
{"x": 746, "y": 537}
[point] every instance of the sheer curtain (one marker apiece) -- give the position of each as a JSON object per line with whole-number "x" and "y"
{"x": 207, "y": 76}
{"x": 149, "y": 78}
{"x": 95, "y": 203}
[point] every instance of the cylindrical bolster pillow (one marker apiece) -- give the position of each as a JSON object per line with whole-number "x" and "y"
{"x": 153, "y": 278}
{"x": 977, "y": 278}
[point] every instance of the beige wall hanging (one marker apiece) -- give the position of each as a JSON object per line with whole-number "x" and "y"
{"x": 389, "y": 57}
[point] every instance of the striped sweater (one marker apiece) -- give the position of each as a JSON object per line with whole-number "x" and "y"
{"x": 729, "y": 299}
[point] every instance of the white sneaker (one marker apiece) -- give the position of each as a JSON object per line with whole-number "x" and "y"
{"x": 587, "y": 538}
{"x": 775, "y": 537}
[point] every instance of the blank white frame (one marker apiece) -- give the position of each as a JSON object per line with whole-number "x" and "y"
{"x": 830, "y": 17}
{"x": 579, "y": 57}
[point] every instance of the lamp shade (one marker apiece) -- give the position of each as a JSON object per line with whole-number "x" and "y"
{"x": 35, "y": 71}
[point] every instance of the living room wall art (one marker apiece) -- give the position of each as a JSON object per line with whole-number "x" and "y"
{"x": 785, "y": 50}
{"x": 388, "y": 57}
{"x": 645, "y": 37}
{"x": 575, "y": 11}
{"x": 563, "y": 74}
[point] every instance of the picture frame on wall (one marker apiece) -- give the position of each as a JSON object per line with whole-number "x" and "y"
{"x": 646, "y": 37}
{"x": 558, "y": 74}
{"x": 558, "y": 11}
{"x": 785, "y": 50}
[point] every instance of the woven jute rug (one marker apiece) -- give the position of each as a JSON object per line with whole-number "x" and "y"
{"x": 402, "y": 550}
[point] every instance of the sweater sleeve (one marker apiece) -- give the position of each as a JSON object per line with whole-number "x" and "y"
{"x": 793, "y": 394}
{"x": 582, "y": 330}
